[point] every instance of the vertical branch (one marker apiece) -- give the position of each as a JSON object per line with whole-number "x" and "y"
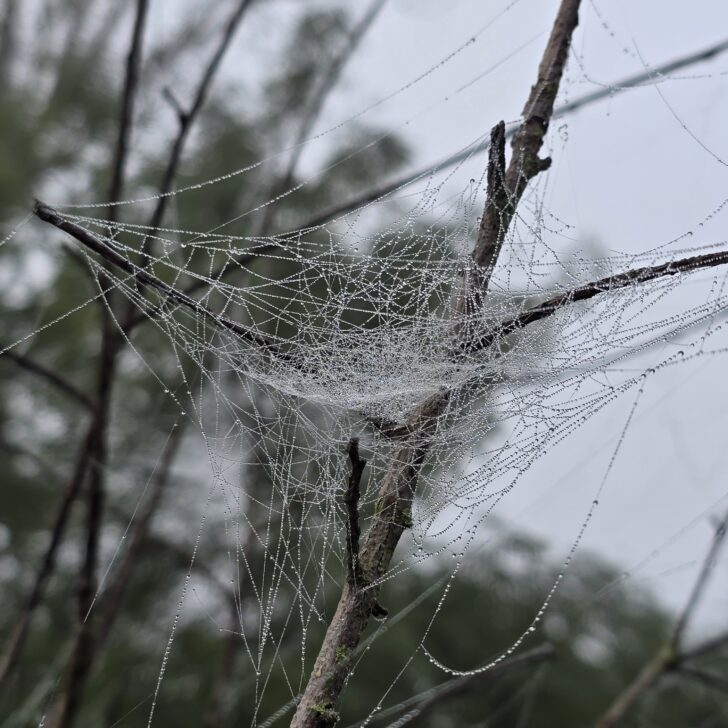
{"x": 351, "y": 499}
{"x": 131, "y": 81}
{"x": 526, "y": 143}
{"x": 396, "y": 494}
{"x": 82, "y": 656}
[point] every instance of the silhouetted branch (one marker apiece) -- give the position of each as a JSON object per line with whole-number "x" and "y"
{"x": 700, "y": 583}
{"x": 16, "y": 640}
{"x": 315, "y": 105}
{"x": 459, "y": 686}
{"x": 351, "y": 499}
{"x": 66, "y": 708}
{"x": 115, "y": 592}
{"x": 49, "y": 376}
{"x": 609, "y": 284}
{"x": 671, "y": 657}
{"x": 128, "y": 97}
{"x": 606, "y": 92}
{"x": 713, "y": 644}
{"x": 705, "y": 677}
{"x": 187, "y": 118}
{"x": 146, "y": 279}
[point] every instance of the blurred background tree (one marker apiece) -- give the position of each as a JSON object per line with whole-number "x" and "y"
{"x": 85, "y": 428}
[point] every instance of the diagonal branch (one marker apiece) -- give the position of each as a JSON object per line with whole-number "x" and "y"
{"x": 48, "y": 375}
{"x": 700, "y": 583}
{"x": 148, "y": 280}
{"x": 606, "y": 92}
{"x": 16, "y": 639}
{"x": 626, "y": 279}
{"x": 506, "y": 187}
{"x": 187, "y": 118}
{"x": 671, "y": 657}
{"x": 315, "y": 105}
{"x": 457, "y": 686}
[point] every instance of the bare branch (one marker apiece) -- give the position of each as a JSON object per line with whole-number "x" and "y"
{"x": 145, "y": 279}
{"x": 710, "y": 645}
{"x": 700, "y": 583}
{"x": 705, "y": 677}
{"x": 396, "y": 494}
{"x": 508, "y": 187}
{"x": 607, "y": 91}
{"x": 128, "y": 97}
{"x": 114, "y": 596}
{"x": 315, "y": 105}
{"x": 187, "y": 118}
{"x": 629, "y": 278}
{"x": 16, "y": 640}
{"x": 650, "y": 674}
{"x": 65, "y": 710}
{"x": 670, "y": 657}
{"x": 49, "y": 376}
{"x": 351, "y": 499}
{"x": 460, "y": 685}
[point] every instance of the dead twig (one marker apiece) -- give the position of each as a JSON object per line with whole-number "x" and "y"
{"x": 49, "y": 376}
{"x": 458, "y": 686}
{"x": 671, "y": 657}
{"x": 148, "y": 280}
{"x": 351, "y": 499}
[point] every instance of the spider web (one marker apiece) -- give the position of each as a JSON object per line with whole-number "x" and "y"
{"x": 360, "y": 327}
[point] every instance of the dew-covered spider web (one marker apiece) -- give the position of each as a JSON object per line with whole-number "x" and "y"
{"x": 344, "y": 333}
{"x": 286, "y": 347}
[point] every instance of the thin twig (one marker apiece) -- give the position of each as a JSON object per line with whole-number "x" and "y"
{"x": 17, "y": 637}
{"x": 508, "y": 185}
{"x": 148, "y": 280}
{"x": 187, "y": 118}
{"x": 609, "y": 284}
{"x": 323, "y": 89}
{"x": 670, "y": 657}
{"x": 66, "y": 708}
{"x": 705, "y": 677}
{"x": 460, "y": 685}
{"x": 700, "y": 583}
{"x": 110, "y": 606}
{"x": 351, "y": 499}
{"x": 49, "y": 376}
{"x": 605, "y": 92}
{"x": 713, "y": 644}
{"x": 128, "y": 97}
